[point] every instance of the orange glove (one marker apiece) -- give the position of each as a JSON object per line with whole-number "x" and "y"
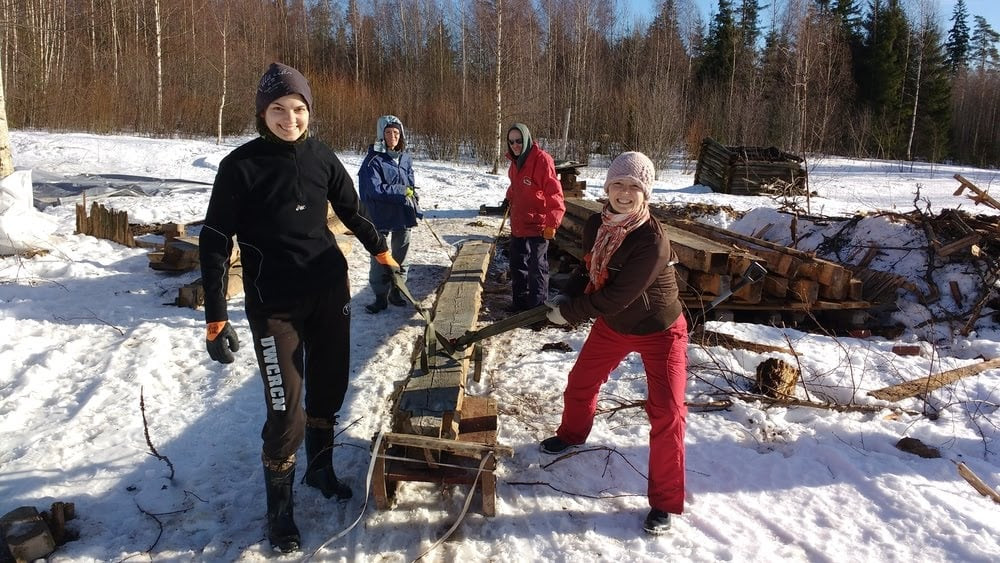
{"x": 549, "y": 233}
{"x": 221, "y": 341}
{"x": 214, "y": 329}
{"x": 386, "y": 259}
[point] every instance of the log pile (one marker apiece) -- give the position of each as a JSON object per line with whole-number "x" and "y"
{"x": 709, "y": 259}
{"x": 748, "y": 170}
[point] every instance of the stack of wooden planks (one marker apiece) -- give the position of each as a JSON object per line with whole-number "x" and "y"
{"x": 709, "y": 259}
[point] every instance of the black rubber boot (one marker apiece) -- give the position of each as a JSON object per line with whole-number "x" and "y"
{"x": 396, "y": 297}
{"x": 319, "y": 473}
{"x": 380, "y": 304}
{"x": 281, "y": 529}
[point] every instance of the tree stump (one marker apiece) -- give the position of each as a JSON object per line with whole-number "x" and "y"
{"x": 776, "y": 378}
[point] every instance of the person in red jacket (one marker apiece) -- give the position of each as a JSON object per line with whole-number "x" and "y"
{"x": 536, "y": 210}
{"x": 630, "y": 288}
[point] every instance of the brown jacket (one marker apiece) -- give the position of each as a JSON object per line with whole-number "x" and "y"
{"x": 640, "y": 296}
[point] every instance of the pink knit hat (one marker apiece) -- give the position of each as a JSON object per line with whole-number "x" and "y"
{"x": 636, "y": 166}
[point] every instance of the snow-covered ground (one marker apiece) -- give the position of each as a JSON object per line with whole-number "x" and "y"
{"x": 88, "y": 328}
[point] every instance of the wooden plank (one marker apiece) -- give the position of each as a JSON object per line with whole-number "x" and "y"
{"x": 430, "y": 404}
{"x": 977, "y": 483}
{"x": 962, "y": 243}
{"x": 931, "y": 382}
{"x": 711, "y": 338}
{"x": 468, "y": 449}
{"x": 980, "y": 197}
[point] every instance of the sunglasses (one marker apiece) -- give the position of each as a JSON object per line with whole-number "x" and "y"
{"x": 515, "y": 142}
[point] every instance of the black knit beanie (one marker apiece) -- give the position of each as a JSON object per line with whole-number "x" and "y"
{"x": 281, "y": 80}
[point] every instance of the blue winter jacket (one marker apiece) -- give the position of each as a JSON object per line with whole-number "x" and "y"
{"x": 382, "y": 182}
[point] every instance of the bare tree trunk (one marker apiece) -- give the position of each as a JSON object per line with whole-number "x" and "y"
{"x": 499, "y": 100}
{"x": 565, "y": 135}
{"x": 916, "y": 98}
{"x": 225, "y": 73}
{"x": 465, "y": 66}
{"x": 159, "y": 63}
{"x": 93, "y": 39}
{"x": 114, "y": 40}
{"x": 6, "y": 159}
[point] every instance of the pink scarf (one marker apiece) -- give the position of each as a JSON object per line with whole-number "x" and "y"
{"x": 613, "y": 230}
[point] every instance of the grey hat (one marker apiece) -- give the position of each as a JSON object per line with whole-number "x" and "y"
{"x": 281, "y": 80}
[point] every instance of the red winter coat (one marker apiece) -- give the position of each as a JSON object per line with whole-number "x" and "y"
{"x": 535, "y": 195}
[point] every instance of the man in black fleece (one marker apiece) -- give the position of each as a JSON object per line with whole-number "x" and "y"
{"x": 272, "y": 194}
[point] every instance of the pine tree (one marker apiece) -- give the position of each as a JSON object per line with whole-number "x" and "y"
{"x": 984, "y": 48}
{"x": 849, "y": 13}
{"x": 883, "y": 65}
{"x": 749, "y": 27}
{"x": 716, "y": 63}
{"x": 958, "y": 39}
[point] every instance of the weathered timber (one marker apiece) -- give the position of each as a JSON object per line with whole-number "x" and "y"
{"x": 431, "y": 403}
{"x": 104, "y": 223}
{"x": 809, "y": 266}
{"x": 979, "y": 197}
{"x": 775, "y": 286}
{"x": 782, "y": 263}
{"x": 806, "y": 291}
{"x": 712, "y": 338}
{"x": 193, "y": 294}
{"x": 931, "y": 382}
{"x": 977, "y": 483}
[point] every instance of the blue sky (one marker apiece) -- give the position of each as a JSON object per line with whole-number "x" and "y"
{"x": 989, "y": 9}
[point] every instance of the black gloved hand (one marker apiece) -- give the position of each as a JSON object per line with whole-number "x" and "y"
{"x": 221, "y": 341}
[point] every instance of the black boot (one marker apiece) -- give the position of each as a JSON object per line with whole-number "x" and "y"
{"x": 380, "y": 304}
{"x": 281, "y": 529}
{"x": 396, "y": 297}
{"x": 319, "y": 473}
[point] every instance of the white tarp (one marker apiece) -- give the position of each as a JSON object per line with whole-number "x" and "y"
{"x": 22, "y": 227}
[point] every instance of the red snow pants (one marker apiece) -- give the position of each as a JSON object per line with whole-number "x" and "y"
{"x": 664, "y": 356}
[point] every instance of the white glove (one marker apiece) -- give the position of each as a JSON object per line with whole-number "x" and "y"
{"x": 554, "y": 316}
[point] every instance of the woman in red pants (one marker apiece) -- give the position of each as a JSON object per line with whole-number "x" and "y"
{"x": 629, "y": 287}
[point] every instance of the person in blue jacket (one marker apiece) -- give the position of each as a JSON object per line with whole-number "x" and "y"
{"x": 387, "y": 190}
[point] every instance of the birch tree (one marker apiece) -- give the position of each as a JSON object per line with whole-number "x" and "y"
{"x": 6, "y": 158}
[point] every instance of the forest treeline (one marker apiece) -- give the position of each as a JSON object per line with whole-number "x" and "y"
{"x": 823, "y": 76}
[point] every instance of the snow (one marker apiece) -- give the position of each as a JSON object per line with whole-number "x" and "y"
{"x": 89, "y": 330}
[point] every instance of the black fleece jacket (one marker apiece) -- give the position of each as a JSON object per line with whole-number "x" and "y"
{"x": 273, "y": 196}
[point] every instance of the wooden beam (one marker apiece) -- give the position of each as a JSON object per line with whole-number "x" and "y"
{"x": 445, "y": 445}
{"x": 980, "y": 197}
{"x": 931, "y": 382}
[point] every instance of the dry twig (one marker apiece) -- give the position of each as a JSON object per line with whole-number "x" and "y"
{"x": 145, "y": 430}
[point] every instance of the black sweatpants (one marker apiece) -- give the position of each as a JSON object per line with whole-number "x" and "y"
{"x": 529, "y": 271}
{"x": 303, "y": 349}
